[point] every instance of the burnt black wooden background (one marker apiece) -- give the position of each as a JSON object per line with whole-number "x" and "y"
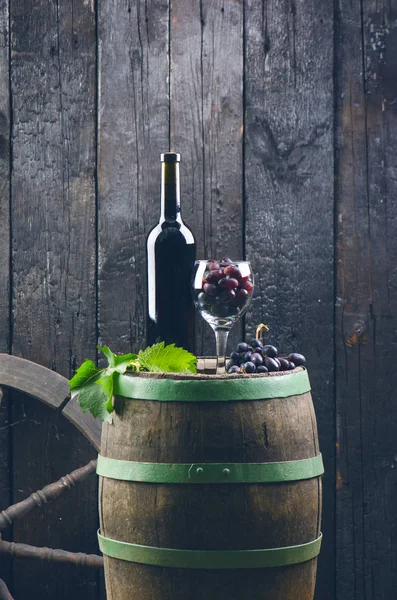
{"x": 285, "y": 112}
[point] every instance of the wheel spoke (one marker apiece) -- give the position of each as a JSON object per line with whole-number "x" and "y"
{"x": 4, "y": 591}
{"x": 49, "y": 492}
{"x": 14, "y": 550}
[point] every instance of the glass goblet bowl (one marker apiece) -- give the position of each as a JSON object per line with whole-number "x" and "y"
{"x": 222, "y": 291}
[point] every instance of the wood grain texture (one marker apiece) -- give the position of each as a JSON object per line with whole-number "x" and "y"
{"x": 33, "y": 379}
{"x": 89, "y": 426}
{"x": 5, "y": 232}
{"x": 133, "y": 132}
{"x": 206, "y": 90}
{"x": 211, "y": 517}
{"x": 289, "y": 203}
{"x": 366, "y": 299}
{"x": 54, "y": 295}
{"x": 4, "y": 180}
{"x": 186, "y": 75}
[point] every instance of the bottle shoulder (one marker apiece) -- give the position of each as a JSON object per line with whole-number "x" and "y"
{"x": 154, "y": 233}
{"x": 163, "y": 231}
{"x": 187, "y": 234}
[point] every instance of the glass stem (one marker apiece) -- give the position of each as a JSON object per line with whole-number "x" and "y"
{"x": 221, "y": 335}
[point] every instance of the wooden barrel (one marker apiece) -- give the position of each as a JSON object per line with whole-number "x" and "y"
{"x": 210, "y": 488}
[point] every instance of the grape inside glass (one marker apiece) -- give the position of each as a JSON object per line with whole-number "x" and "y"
{"x": 222, "y": 292}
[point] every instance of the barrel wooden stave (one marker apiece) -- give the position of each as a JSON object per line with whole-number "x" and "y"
{"x": 230, "y": 517}
{"x": 211, "y": 516}
{"x": 247, "y": 431}
{"x": 133, "y": 581}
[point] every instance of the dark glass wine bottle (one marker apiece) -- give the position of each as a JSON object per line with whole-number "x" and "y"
{"x": 171, "y": 252}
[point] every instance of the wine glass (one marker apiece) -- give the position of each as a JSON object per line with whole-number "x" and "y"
{"x": 222, "y": 291}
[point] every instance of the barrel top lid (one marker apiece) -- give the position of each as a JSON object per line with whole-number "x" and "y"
{"x": 179, "y": 387}
{"x": 200, "y": 376}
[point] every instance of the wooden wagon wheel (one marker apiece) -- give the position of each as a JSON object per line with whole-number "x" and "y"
{"x": 53, "y": 390}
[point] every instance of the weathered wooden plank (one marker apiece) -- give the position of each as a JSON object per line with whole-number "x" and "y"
{"x": 378, "y": 408}
{"x": 367, "y": 299}
{"x": 4, "y": 180}
{"x": 53, "y": 213}
{"x": 5, "y": 482}
{"x": 289, "y": 203}
{"x": 206, "y": 128}
{"x": 133, "y": 131}
{"x": 352, "y": 298}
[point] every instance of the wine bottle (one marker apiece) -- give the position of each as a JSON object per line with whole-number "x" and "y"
{"x": 171, "y": 252}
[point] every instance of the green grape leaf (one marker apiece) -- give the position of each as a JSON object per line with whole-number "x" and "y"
{"x": 91, "y": 397}
{"x": 107, "y": 385}
{"x": 117, "y": 362}
{"x": 93, "y": 388}
{"x": 167, "y": 359}
{"x": 85, "y": 374}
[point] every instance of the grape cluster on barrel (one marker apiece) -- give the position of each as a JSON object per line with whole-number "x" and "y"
{"x": 225, "y": 291}
{"x": 257, "y": 358}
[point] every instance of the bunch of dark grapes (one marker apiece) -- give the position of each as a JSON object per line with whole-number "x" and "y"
{"x": 256, "y": 358}
{"x": 225, "y": 291}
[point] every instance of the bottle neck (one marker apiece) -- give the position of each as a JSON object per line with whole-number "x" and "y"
{"x": 170, "y": 195}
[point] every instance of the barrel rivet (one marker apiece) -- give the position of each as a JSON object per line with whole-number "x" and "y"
{"x": 200, "y": 470}
{"x": 226, "y": 472}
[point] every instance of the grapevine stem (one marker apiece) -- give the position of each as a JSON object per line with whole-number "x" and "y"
{"x": 221, "y": 335}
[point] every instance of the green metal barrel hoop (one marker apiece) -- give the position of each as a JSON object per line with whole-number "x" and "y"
{"x": 209, "y": 559}
{"x": 212, "y": 390}
{"x": 199, "y": 473}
